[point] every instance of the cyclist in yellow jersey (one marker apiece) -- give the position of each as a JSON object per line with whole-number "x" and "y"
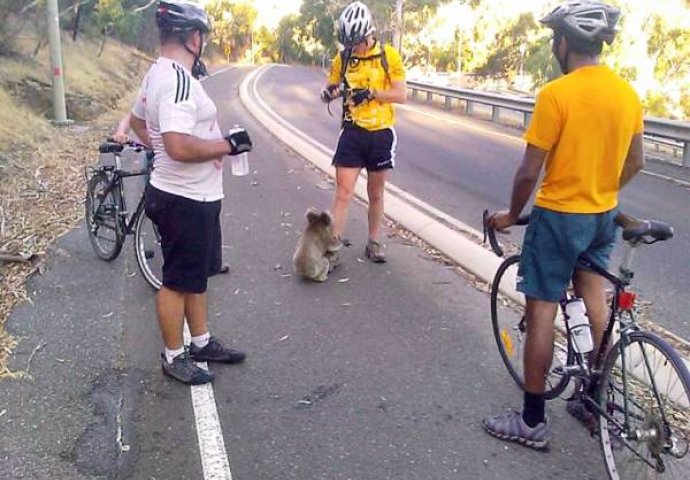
{"x": 586, "y": 132}
{"x": 370, "y": 78}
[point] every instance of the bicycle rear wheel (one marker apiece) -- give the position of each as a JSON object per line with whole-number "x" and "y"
{"x": 645, "y": 392}
{"x": 101, "y": 214}
{"x": 510, "y": 329}
{"x": 147, "y": 248}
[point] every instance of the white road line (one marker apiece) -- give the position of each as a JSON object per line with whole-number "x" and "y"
{"x": 214, "y": 457}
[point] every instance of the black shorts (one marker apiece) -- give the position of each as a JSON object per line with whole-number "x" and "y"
{"x": 361, "y": 148}
{"x": 190, "y": 232}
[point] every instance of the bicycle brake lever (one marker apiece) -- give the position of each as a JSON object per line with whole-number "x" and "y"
{"x": 485, "y": 216}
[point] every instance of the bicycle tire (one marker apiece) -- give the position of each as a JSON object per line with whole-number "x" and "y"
{"x": 663, "y": 410}
{"x": 507, "y": 320}
{"x": 148, "y": 252}
{"x": 101, "y": 217}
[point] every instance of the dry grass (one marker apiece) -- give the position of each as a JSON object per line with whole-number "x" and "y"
{"x": 42, "y": 166}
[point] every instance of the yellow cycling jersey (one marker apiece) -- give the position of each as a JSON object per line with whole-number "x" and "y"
{"x": 367, "y": 72}
{"x": 585, "y": 120}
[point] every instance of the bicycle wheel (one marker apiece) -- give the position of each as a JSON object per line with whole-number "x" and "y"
{"x": 147, "y": 248}
{"x": 645, "y": 392}
{"x": 101, "y": 214}
{"x": 510, "y": 329}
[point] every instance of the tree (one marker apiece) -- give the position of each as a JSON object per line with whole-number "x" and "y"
{"x": 233, "y": 25}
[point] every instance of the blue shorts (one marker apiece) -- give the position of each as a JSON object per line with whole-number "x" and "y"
{"x": 553, "y": 243}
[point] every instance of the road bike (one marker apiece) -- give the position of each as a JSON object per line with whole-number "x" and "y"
{"x": 636, "y": 388}
{"x": 108, "y": 220}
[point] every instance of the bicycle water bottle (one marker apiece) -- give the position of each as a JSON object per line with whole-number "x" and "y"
{"x": 578, "y": 322}
{"x": 239, "y": 164}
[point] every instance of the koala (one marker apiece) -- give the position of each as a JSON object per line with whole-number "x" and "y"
{"x": 312, "y": 259}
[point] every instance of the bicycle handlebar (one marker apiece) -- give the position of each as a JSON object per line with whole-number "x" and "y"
{"x": 129, "y": 143}
{"x": 491, "y": 232}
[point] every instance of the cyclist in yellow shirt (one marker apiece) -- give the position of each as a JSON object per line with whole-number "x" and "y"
{"x": 370, "y": 77}
{"x": 586, "y": 132}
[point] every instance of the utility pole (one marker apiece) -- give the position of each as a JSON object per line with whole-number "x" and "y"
{"x": 397, "y": 39}
{"x": 59, "y": 109}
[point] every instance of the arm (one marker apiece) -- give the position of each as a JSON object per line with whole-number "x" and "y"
{"x": 396, "y": 94}
{"x": 634, "y": 161}
{"x": 524, "y": 182}
{"x": 138, "y": 125}
{"x": 122, "y": 129}
{"x": 526, "y": 179}
{"x": 187, "y": 148}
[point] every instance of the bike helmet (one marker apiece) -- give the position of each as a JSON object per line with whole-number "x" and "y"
{"x": 182, "y": 16}
{"x": 585, "y": 19}
{"x": 354, "y": 24}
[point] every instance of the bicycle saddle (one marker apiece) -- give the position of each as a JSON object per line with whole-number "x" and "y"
{"x": 110, "y": 147}
{"x": 649, "y": 231}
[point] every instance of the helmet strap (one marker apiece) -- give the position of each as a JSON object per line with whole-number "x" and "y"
{"x": 562, "y": 61}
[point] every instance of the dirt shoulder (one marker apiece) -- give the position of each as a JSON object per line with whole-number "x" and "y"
{"x": 42, "y": 166}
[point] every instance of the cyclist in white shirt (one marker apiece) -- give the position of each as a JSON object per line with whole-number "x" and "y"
{"x": 184, "y": 195}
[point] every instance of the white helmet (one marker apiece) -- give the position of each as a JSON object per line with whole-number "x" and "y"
{"x": 586, "y": 19}
{"x": 354, "y": 24}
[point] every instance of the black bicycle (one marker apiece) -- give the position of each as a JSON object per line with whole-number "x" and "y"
{"x": 637, "y": 390}
{"x": 107, "y": 219}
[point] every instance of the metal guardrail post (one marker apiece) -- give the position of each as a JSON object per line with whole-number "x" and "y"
{"x": 449, "y": 103}
{"x": 414, "y": 93}
{"x": 526, "y": 118}
{"x": 429, "y": 96}
{"x": 470, "y": 108}
{"x": 686, "y": 154}
{"x": 495, "y": 113}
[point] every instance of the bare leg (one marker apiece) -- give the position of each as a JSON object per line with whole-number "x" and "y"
{"x": 592, "y": 288}
{"x": 375, "y": 188}
{"x": 539, "y": 343}
{"x": 196, "y": 312}
{"x": 345, "y": 180}
{"x": 171, "y": 309}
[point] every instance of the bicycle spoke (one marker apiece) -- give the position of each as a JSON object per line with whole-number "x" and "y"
{"x": 651, "y": 438}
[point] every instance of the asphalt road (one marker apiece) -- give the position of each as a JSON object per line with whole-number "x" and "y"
{"x": 383, "y": 372}
{"x": 463, "y": 165}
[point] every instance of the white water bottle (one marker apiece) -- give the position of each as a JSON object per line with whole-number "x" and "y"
{"x": 578, "y": 322}
{"x": 239, "y": 164}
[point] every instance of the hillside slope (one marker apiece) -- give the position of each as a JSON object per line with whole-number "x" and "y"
{"x": 42, "y": 166}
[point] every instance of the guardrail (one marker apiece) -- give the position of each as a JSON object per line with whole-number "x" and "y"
{"x": 677, "y": 132}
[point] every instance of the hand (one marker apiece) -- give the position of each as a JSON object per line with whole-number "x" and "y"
{"x": 500, "y": 221}
{"x": 360, "y": 95}
{"x": 239, "y": 141}
{"x": 120, "y": 137}
{"x": 329, "y": 93}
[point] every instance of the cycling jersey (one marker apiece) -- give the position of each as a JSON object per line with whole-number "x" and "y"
{"x": 367, "y": 71}
{"x": 585, "y": 120}
{"x": 171, "y": 100}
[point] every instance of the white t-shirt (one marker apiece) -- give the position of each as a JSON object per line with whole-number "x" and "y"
{"x": 171, "y": 100}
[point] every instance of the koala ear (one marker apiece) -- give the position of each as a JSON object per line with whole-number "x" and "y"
{"x": 312, "y": 216}
{"x": 326, "y": 218}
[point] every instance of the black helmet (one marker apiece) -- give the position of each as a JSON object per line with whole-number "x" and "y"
{"x": 181, "y": 16}
{"x": 585, "y": 19}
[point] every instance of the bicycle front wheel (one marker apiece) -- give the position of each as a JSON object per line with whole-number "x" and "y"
{"x": 147, "y": 249}
{"x": 102, "y": 217}
{"x": 645, "y": 397}
{"x": 510, "y": 331}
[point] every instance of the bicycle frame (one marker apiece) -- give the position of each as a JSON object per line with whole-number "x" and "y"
{"x": 117, "y": 179}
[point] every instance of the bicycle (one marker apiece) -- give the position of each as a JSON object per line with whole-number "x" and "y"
{"x": 637, "y": 391}
{"x": 107, "y": 215}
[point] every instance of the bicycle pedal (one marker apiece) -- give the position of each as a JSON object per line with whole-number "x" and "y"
{"x": 149, "y": 254}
